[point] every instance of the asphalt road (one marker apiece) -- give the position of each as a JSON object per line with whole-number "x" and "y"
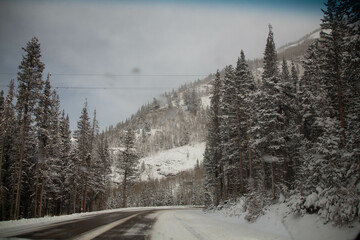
{"x": 117, "y": 225}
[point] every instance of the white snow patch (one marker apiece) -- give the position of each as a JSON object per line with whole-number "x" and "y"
{"x": 277, "y": 220}
{"x": 269, "y": 158}
{"x": 195, "y": 224}
{"x": 172, "y": 161}
{"x": 205, "y": 101}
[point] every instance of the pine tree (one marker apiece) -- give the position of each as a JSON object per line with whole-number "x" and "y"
{"x": 90, "y": 183}
{"x": 83, "y": 136}
{"x": 327, "y": 156}
{"x": 332, "y": 48}
{"x": 101, "y": 173}
{"x": 7, "y": 160}
{"x": 56, "y": 162}
{"x": 291, "y": 126}
{"x": 65, "y": 156}
{"x": 194, "y": 102}
{"x": 270, "y": 58}
{"x": 1, "y": 102}
{"x": 228, "y": 132}
{"x": 294, "y": 76}
{"x": 212, "y": 155}
{"x": 244, "y": 84}
{"x": 43, "y": 112}
{"x": 285, "y": 74}
{"x": 268, "y": 138}
{"x": 29, "y": 88}
{"x": 128, "y": 164}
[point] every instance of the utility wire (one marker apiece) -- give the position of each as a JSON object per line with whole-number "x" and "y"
{"x": 112, "y": 88}
{"x": 118, "y": 75}
{"x": 106, "y": 88}
{"x": 112, "y": 75}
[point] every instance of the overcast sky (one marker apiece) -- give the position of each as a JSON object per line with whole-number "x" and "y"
{"x": 118, "y": 45}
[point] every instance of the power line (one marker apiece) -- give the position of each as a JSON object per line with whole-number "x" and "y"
{"x": 108, "y": 75}
{"x": 126, "y": 75}
{"x": 118, "y": 75}
{"x": 107, "y": 88}
{"x": 112, "y": 88}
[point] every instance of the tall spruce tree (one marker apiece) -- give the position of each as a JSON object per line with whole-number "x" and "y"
{"x": 268, "y": 136}
{"x": 213, "y": 152}
{"x": 328, "y": 159}
{"x": 229, "y": 133}
{"x": 128, "y": 160}
{"x": 332, "y": 43}
{"x": 65, "y": 155}
{"x": 244, "y": 84}
{"x": 83, "y": 136}
{"x": 43, "y": 113}
{"x": 7, "y": 153}
{"x": 29, "y": 89}
{"x": 294, "y": 76}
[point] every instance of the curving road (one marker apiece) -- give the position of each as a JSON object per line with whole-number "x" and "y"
{"x": 145, "y": 223}
{"x": 117, "y": 225}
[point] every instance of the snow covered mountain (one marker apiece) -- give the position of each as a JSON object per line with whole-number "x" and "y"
{"x": 296, "y": 49}
{"x": 170, "y": 131}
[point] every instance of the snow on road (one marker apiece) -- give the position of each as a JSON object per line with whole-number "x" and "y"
{"x": 194, "y": 224}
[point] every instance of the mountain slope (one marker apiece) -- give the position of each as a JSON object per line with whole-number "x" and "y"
{"x": 177, "y": 120}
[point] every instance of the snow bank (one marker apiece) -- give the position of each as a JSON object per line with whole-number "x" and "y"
{"x": 195, "y": 224}
{"x": 277, "y": 221}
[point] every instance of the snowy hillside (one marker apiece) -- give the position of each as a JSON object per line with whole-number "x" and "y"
{"x": 172, "y": 161}
{"x": 306, "y": 40}
{"x": 169, "y": 129}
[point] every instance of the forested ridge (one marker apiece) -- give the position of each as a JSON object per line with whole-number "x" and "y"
{"x": 291, "y": 139}
{"x": 275, "y": 131}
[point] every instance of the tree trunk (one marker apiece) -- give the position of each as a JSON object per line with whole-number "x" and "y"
{"x": 41, "y": 198}
{"x": 1, "y": 183}
{"x": 124, "y": 189}
{"x": 240, "y": 157}
{"x": 87, "y": 162}
{"x": 74, "y": 199}
{"x": 286, "y": 171}
{"x": 341, "y": 110}
{"x": 36, "y": 198}
{"x": 249, "y": 149}
{"x": 217, "y": 192}
{"x": 221, "y": 183}
{"x": 21, "y": 156}
{"x": 18, "y": 188}
{"x": 84, "y": 194}
{"x": 272, "y": 180}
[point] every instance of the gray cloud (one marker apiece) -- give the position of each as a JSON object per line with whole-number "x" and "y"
{"x": 117, "y": 38}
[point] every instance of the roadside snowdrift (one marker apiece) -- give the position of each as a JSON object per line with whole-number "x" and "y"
{"x": 276, "y": 220}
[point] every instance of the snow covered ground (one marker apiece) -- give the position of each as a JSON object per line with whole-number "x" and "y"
{"x": 184, "y": 223}
{"x": 172, "y": 161}
{"x": 195, "y": 224}
{"x": 278, "y": 222}
{"x": 12, "y": 227}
